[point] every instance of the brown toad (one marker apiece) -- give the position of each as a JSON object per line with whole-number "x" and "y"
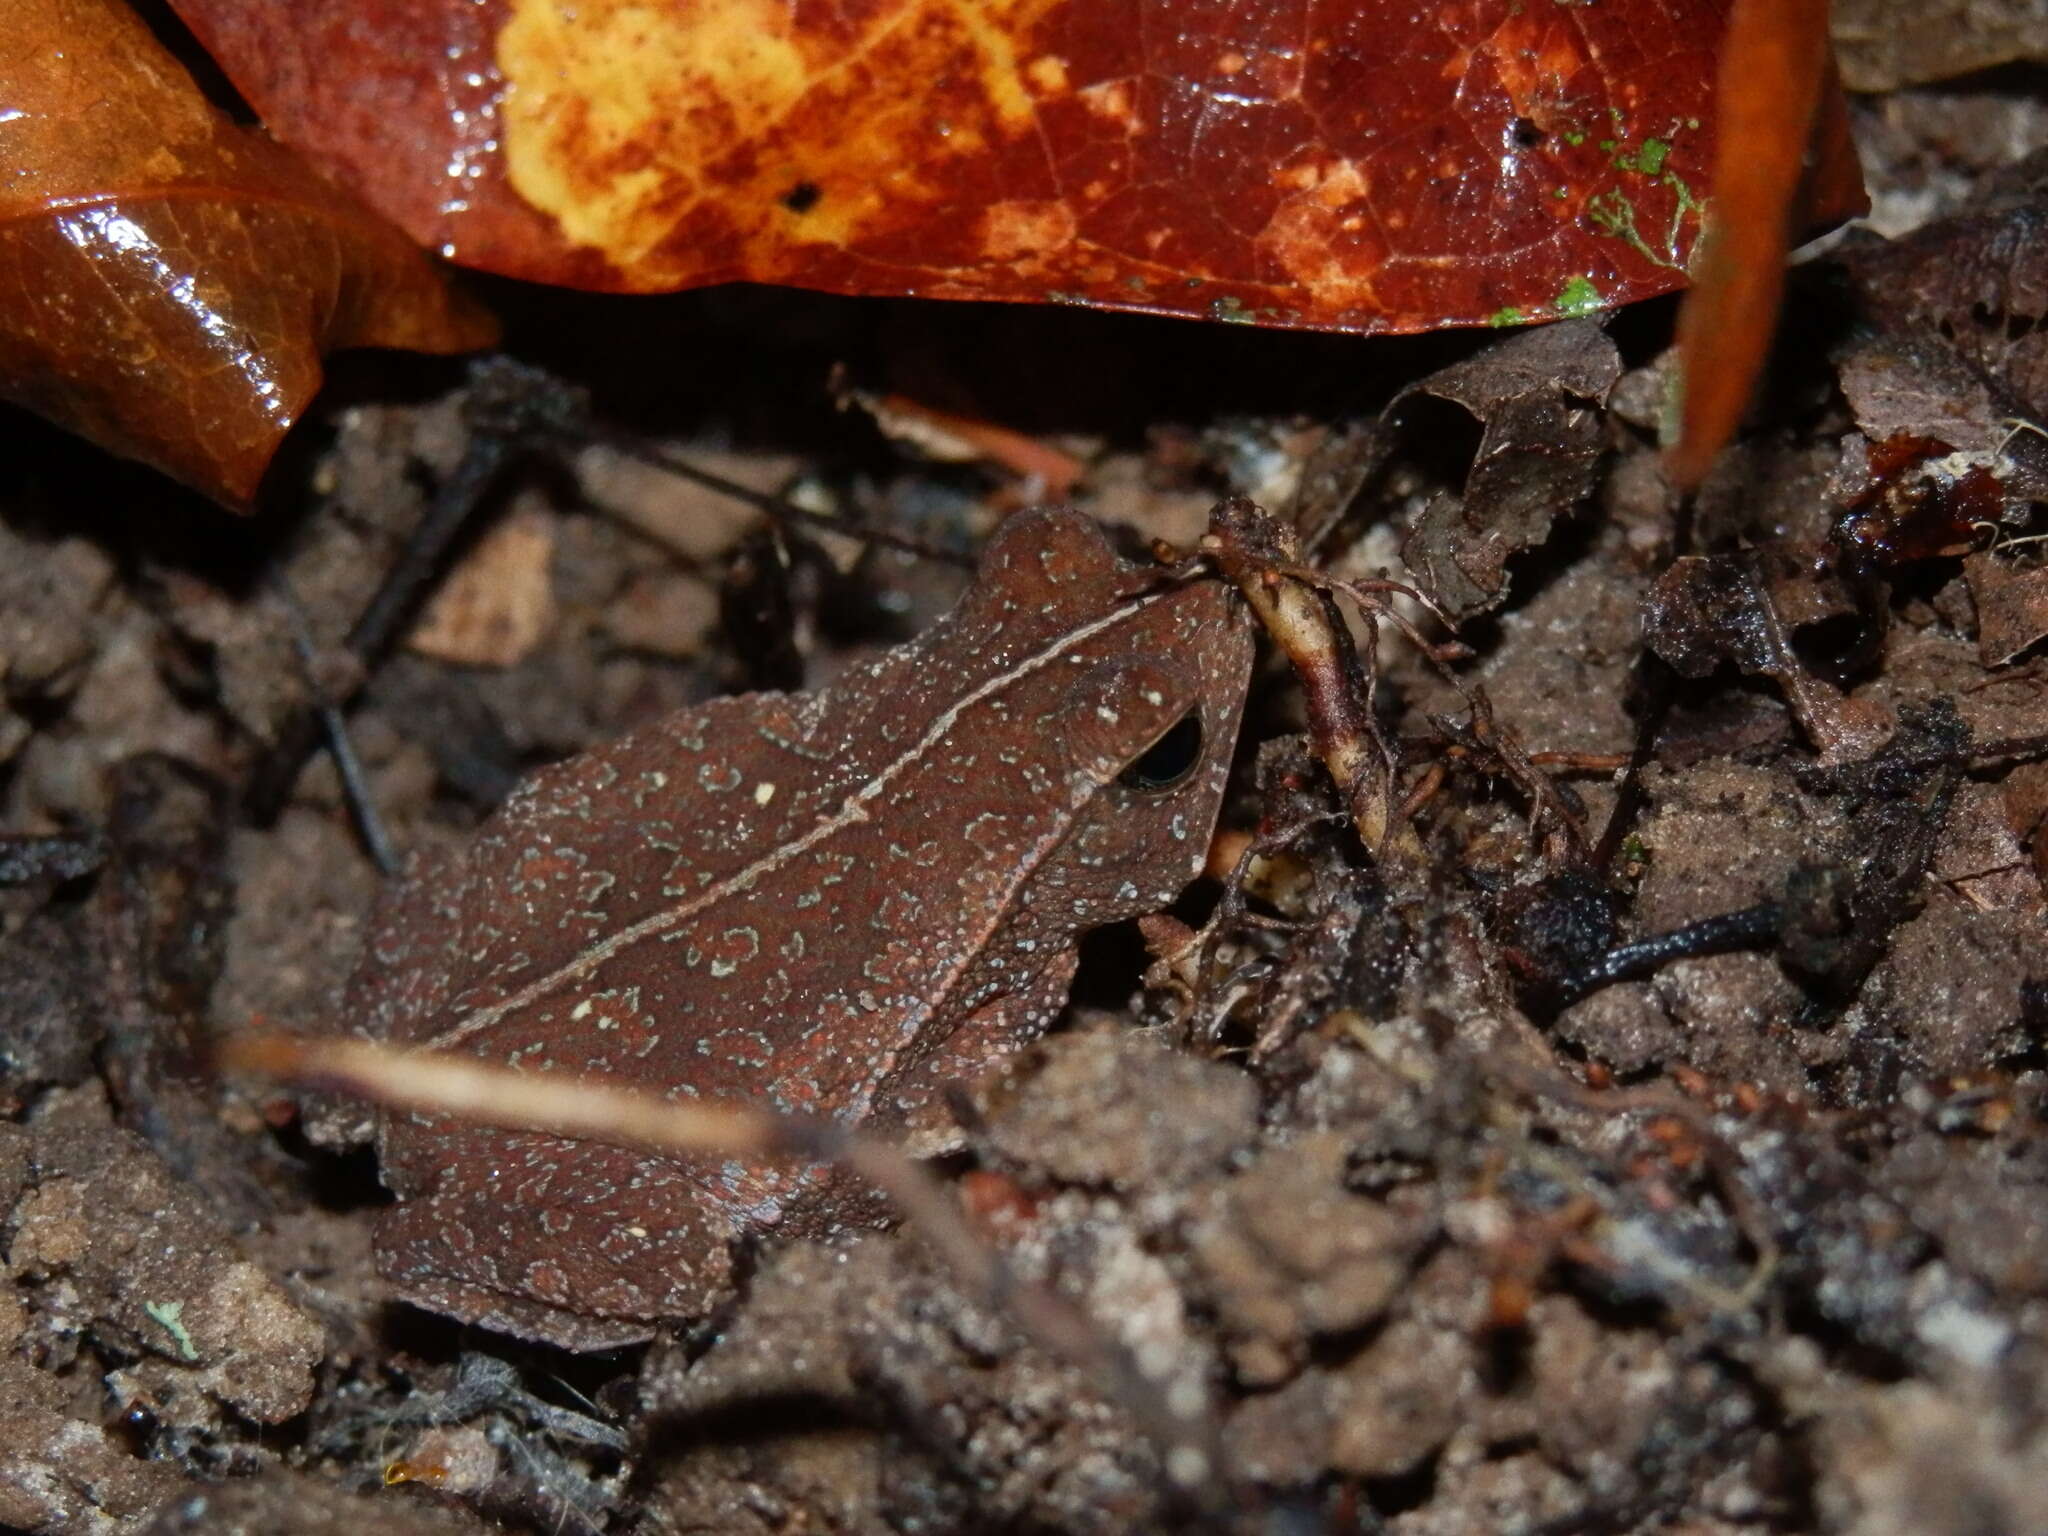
{"x": 831, "y": 902}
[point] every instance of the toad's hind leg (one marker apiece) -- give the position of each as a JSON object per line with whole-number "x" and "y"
{"x": 573, "y": 1243}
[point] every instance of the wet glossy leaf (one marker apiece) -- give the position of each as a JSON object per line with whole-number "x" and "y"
{"x": 1373, "y": 166}
{"x": 172, "y": 279}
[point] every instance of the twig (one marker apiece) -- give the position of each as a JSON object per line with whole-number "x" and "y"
{"x": 779, "y": 507}
{"x": 1756, "y": 927}
{"x": 355, "y": 784}
{"x": 508, "y": 406}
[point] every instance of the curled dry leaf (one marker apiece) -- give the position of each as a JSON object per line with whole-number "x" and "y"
{"x": 1743, "y": 609}
{"x": 1373, "y": 166}
{"x": 173, "y": 279}
{"x": 1538, "y": 457}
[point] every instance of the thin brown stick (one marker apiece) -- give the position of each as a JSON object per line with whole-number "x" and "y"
{"x": 774, "y": 506}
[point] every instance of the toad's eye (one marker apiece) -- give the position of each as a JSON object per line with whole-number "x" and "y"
{"x": 1169, "y": 760}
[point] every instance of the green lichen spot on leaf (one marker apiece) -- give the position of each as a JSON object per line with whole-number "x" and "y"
{"x": 1648, "y": 160}
{"x": 1578, "y": 297}
{"x": 169, "y": 1316}
{"x": 1683, "y": 203}
{"x": 1507, "y": 314}
{"x": 1613, "y": 213}
{"x": 1575, "y": 137}
{"x": 1231, "y": 311}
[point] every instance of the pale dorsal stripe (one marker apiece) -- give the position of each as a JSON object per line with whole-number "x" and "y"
{"x": 853, "y": 812}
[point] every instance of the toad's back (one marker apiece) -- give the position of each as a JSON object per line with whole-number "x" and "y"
{"x": 825, "y": 902}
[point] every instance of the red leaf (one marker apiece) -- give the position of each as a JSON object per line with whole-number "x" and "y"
{"x": 173, "y": 279}
{"x": 1373, "y": 167}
